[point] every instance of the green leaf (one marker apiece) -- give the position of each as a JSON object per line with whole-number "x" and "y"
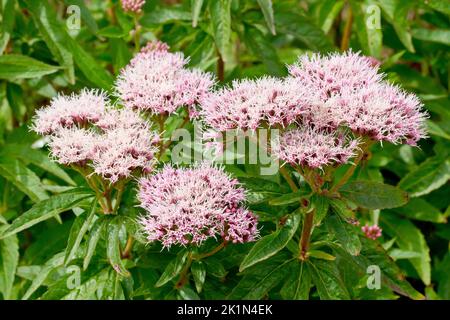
{"x": 439, "y": 5}
{"x": 269, "y": 245}
{"x": 220, "y": 11}
{"x": 318, "y": 254}
{"x": 8, "y": 18}
{"x": 188, "y": 294}
{"x": 120, "y": 54}
{"x": 46, "y": 209}
{"x": 198, "y": 270}
{"x": 345, "y": 233}
{"x": 56, "y": 261}
{"x": 173, "y": 268}
{"x": 428, "y": 176}
{"x": 370, "y": 36}
{"x": 289, "y": 198}
{"x": 328, "y": 12}
{"x": 93, "y": 238}
{"x": 53, "y": 34}
{"x": 15, "y": 66}
{"x": 321, "y": 205}
{"x": 9, "y": 259}
{"x": 301, "y": 28}
{"x": 433, "y": 35}
{"x": 372, "y": 253}
{"x": 85, "y": 14}
{"x": 420, "y": 209}
{"x": 298, "y": 284}
{"x": 165, "y": 15}
{"x": 258, "y": 280}
{"x": 374, "y": 195}
{"x": 327, "y": 280}
{"x": 36, "y": 157}
{"x": 396, "y": 12}
{"x": 113, "y": 247}
{"x": 196, "y": 8}
{"x": 341, "y": 208}
{"x": 90, "y": 67}
{"x": 79, "y": 228}
{"x": 267, "y": 10}
{"x": 23, "y": 178}
{"x": 410, "y": 238}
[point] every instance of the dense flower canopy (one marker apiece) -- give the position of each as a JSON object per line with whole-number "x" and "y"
{"x": 347, "y": 90}
{"x": 314, "y": 148}
{"x": 158, "y": 81}
{"x": 249, "y": 104}
{"x": 85, "y": 130}
{"x": 132, "y": 5}
{"x": 191, "y": 205}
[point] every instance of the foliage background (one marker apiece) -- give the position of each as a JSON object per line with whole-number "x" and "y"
{"x": 40, "y": 56}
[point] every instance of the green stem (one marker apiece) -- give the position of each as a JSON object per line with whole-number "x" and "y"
{"x": 308, "y": 223}
{"x": 347, "y": 30}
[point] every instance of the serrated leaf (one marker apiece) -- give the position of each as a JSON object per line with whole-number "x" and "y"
{"x": 46, "y": 209}
{"x": 198, "y": 271}
{"x": 79, "y": 228}
{"x": 267, "y": 10}
{"x": 220, "y": 11}
{"x": 345, "y": 233}
{"x": 196, "y": 8}
{"x": 420, "y": 209}
{"x": 93, "y": 238}
{"x": 374, "y": 195}
{"x": 269, "y": 245}
{"x": 410, "y": 238}
{"x": 298, "y": 284}
{"x": 259, "y": 279}
{"x": 173, "y": 268}
{"x": 113, "y": 247}
{"x": 9, "y": 259}
{"x": 15, "y": 66}
{"x": 23, "y": 178}
{"x": 289, "y": 198}
{"x": 36, "y": 157}
{"x": 428, "y": 176}
{"x": 53, "y": 34}
{"x": 327, "y": 280}
{"x": 56, "y": 261}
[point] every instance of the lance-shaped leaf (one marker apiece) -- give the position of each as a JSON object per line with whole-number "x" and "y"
{"x": 46, "y": 209}
{"x": 113, "y": 247}
{"x": 23, "y": 178}
{"x": 173, "y": 268}
{"x": 220, "y": 11}
{"x": 79, "y": 228}
{"x": 374, "y": 195}
{"x": 9, "y": 259}
{"x": 269, "y": 245}
{"x": 298, "y": 284}
{"x": 15, "y": 66}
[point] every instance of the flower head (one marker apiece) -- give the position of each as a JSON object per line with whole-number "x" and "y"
{"x": 372, "y": 232}
{"x": 248, "y": 104}
{"x": 123, "y": 150}
{"x": 347, "y": 90}
{"x": 67, "y": 111}
{"x": 156, "y": 80}
{"x": 314, "y": 148}
{"x": 191, "y": 205}
{"x": 73, "y": 146}
{"x": 132, "y": 5}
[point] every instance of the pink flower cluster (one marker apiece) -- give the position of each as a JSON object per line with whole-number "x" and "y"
{"x": 372, "y": 232}
{"x": 314, "y": 148}
{"x": 189, "y": 205}
{"x": 347, "y": 90}
{"x": 250, "y": 104}
{"x": 132, "y": 5}
{"x": 85, "y": 130}
{"x": 66, "y": 111}
{"x": 158, "y": 81}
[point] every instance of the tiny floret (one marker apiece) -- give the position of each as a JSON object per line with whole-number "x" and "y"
{"x": 189, "y": 205}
